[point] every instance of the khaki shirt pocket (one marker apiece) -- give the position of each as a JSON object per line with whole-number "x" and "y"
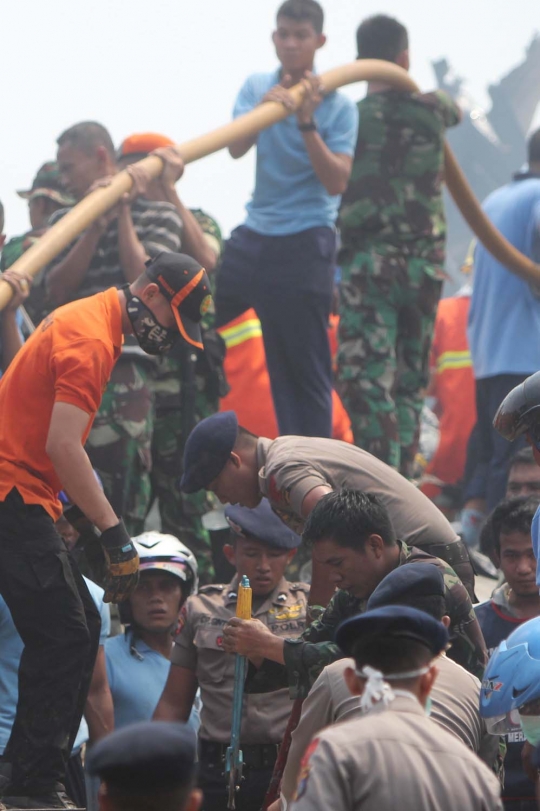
{"x": 214, "y": 665}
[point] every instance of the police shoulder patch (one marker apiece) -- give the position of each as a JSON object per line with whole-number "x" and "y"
{"x": 305, "y": 768}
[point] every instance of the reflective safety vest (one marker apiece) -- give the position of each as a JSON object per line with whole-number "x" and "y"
{"x": 250, "y": 395}
{"x": 454, "y": 389}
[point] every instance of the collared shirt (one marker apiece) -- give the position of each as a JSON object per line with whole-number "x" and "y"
{"x": 68, "y": 359}
{"x": 199, "y": 647}
{"x": 288, "y": 195}
{"x": 396, "y": 757}
{"x": 291, "y": 466}
{"x": 455, "y": 700}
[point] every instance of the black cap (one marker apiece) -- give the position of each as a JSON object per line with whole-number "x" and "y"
{"x": 392, "y": 621}
{"x": 207, "y": 450}
{"x": 145, "y": 757}
{"x": 185, "y": 284}
{"x": 262, "y": 524}
{"x": 408, "y": 582}
{"x": 519, "y": 412}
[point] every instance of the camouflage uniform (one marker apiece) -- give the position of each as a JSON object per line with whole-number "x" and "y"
{"x": 181, "y": 513}
{"x": 393, "y": 234}
{"x": 306, "y": 656}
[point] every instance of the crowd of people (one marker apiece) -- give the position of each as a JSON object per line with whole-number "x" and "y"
{"x": 180, "y": 412}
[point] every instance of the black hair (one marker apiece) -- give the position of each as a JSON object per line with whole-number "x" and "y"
{"x": 349, "y": 517}
{"x": 381, "y": 37}
{"x": 303, "y": 11}
{"x": 511, "y": 515}
{"x": 391, "y": 654}
{"x": 87, "y": 136}
{"x": 523, "y": 457}
{"x": 533, "y": 147}
{"x": 174, "y": 800}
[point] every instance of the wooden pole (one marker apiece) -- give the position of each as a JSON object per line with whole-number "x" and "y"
{"x": 263, "y": 116}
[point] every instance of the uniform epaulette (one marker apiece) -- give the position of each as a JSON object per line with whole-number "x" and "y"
{"x": 300, "y": 587}
{"x": 212, "y": 587}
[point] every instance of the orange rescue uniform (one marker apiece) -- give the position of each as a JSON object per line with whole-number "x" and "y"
{"x": 250, "y": 395}
{"x": 68, "y": 359}
{"x": 453, "y": 387}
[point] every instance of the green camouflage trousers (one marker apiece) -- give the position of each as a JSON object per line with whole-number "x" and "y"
{"x": 180, "y": 513}
{"x": 388, "y": 302}
{"x": 119, "y": 445}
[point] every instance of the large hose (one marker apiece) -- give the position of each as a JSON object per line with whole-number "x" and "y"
{"x": 100, "y": 200}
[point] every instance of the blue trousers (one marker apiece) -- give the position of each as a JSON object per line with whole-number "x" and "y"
{"x": 288, "y": 280}
{"x": 488, "y": 453}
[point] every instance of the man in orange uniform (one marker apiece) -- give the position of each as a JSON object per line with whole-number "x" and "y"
{"x": 48, "y": 399}
{"x": 247, "y": 375}
{"x": 452, "y": 384}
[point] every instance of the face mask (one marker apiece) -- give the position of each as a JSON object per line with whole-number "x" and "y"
{"x": 429, "y": 706}
{"x": 152, "y": 337}
{"x": 530, "y": 726}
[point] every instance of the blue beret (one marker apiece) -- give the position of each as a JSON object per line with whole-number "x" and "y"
{"x": 145, "y": 757}
{"x": 263, "y": 524}
{"x": 207, "y": 450}
{"x": 406, "y": 583}
{"x": 393, "y": 621}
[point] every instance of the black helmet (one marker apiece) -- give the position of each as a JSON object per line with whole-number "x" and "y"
{"x": 519, "y": 412}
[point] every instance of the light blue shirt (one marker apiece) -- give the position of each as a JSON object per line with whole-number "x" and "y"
{"x": 288, "y": 195}
{"x": 137, "y": 680}
{"x": 504, "y": 318}
{"x": 11, "y": 648}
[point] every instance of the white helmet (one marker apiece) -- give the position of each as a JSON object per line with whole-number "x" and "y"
{"x": 166, "y": 553}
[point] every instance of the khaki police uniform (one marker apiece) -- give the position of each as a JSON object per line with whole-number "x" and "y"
{"x": 393, "y": 758}
{"x": 455, "y": 700}
{"x": 199, "y": 647}
{"x": 291, "y": 466}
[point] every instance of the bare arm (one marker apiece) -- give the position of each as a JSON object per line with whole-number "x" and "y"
{"x": 73, "y": 467}
{"x": 333, "y": 170}
{"x": 67, "y": 276}
{"x": 313, "y": 497}
{"x": 178, "y": 695}
{"x": 130, "y": 249}
{"x": 99, "y": 712}
{"x": 239, "y": 148}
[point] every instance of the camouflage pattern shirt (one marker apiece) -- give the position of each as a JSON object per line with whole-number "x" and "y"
{"x": 395, "y": 191}
{"x": 306, "y": 656}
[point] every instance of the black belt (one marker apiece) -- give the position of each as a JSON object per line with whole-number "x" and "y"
{"x": 256, "y": 755}
{"x": 452, "y": 553}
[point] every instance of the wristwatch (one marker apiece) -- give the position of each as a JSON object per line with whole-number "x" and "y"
{"x": 311, "y": 126}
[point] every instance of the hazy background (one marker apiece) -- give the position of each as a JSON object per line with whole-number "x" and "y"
{"x": 175, "y": 67}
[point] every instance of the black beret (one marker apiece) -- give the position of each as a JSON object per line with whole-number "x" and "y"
{"x": 406, "y": 582}
{"x": 145, "y": 757}
{"x": 207, "y": 450}
{"x": 263, "y": 524}
{"x": 392, "y": 621}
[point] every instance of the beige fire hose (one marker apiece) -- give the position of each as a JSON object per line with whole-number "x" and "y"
{"x": 99, "y": 201}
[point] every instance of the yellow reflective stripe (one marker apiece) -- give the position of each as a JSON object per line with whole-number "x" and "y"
{"x": 241, "y": 332}
{"x": 454, "y": 360}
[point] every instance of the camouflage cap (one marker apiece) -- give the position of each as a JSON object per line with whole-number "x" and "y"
{"x": 47, "y": 183}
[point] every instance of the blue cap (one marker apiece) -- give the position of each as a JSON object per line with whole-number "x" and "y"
{"x": 145, "y": 757}
{"x": 207, "y": 450}
{"x": 393, "y": 621}
{"x": 263, "y": 524}
{"x": 406, "y": 583}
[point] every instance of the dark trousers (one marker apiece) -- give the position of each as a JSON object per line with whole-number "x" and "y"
{"x": 288, "y": 280}
{"x": 259, "y": 763}
{"x": 488, "y": 453}
{"x": 59, "y": 624}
